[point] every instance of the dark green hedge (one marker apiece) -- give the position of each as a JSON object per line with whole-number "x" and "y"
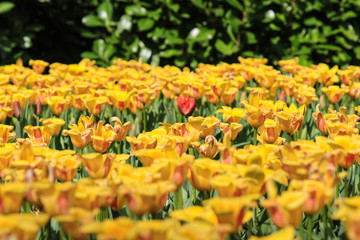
{"x": 181, "y": 32}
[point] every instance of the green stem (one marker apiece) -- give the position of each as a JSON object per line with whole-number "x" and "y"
{"x": 147, "y": 216}
{"x": 178, "y": 199}
{"x": 255, "y": 218}
{"x": 325, "y": 221}
{"x": 346, "y": 186}
{"x": 118, "y": 147}
{"x": 194, "y": 193}
{"x": 249, "y": 229}
{"x": 255, "y": 137}
{"x": 144, "y": 119}
{"x": 309, "y": 228}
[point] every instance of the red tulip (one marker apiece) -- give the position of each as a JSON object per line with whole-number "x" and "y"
{"x": 186, "y": 105}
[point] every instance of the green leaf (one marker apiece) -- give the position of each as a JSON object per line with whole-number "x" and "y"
{"x": 170, "y": 53}
{"x": 235, "y": 4}
{"x": 312, "y": 21}
{"x": 357, "y": 52}
{"x": 328, "y": 47}
{"x": 92, "y": 21}
{"x": 201, "y": 34}
{"x": 109, "y": 51}
{"x": 347, "y": 15}
{"x": 136, "y": 10}
{"x": 105, "y": 11}
{"x": 99, "y": 47}
{"x": 145, "y": 24}
{"x": 6, "y": 7}
{"x": 124, "y": 23}
{"x": 90, "y": 55}
{"x": 223, "y": 48}
{"x": 198, "y": 3}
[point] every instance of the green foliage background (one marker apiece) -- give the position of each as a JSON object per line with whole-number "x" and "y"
{"x": 180, "y": 32}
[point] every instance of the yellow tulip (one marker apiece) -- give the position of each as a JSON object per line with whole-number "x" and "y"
{"x": 54, "y": 124}
{"x": 232, "y": 211}
{"x": 147, "y": 197}
{"x": 39, "y": 134}
{"x": 96, "y": 164}
{"x": 74, "y": 220}
{"x": 11, "y": 197}
{"x": 270, "y": 132}
{"x": 286, "y": 209}
{"x": 21, "y": 226}
{"x": 256, "y": 116}
{"x": 57, "y": 104}
{"x": 57, "y": 198}
{"x": 232, "y": 114}
{"x": 102, "y": 137}
{"x": 120, "y": 129}
{"x": 5, "y": 134}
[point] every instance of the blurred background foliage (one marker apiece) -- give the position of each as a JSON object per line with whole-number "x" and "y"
{"x": 181, "y": 33}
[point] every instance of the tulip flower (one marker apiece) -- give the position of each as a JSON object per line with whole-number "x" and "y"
{"x": 119, "y": 228}
{"x": 120, "y": 99}
{"x": 38, "y": 65}
{"x": 143, "y": 141}
{"x": 270, "y": 132}
{"x": 66, "y": 168}
{"x": 6, "y": 153}
{"x": 199, "y": 230}
{"x": 11, "y": 197}
{"x": 97, "y": 165}
{"x": 195, "y": 213}
{"x": 91, "y": 194}
{"x": 73, "y": 222}
{"x": 208, "y": 126}
{"x": 232, "y": 114}
{"x": 318, "y": 194}
{"x": 57, "y": 104}
{"x": 232, "y": 211}
{"x": 120, "y": 129}
{"x": 21, "y": 226}
{"x": 155, "y": 229}
{"x": 286, "y": 209}
{"x": 233, "y": 129}
{"x": 286, "y": 233}
{"x": 39, "y": 134}
{"x": 209, "y": 149}
{"x": 348, "y": 212}
{"x": 186, "y": 105}
{"x": 291, "y": 118}
{"x": 102, "y": 137}
{"x": 95, "y": 104}
{"x": 334, "y": 93}
{"x": 54, "y": 124}
{"x": 256, "y": 116}
{"x": 77, "y": 101}
{"x": 5, "y": 134}
{"x": 57, "y": 198}
{"x": 201, "y": 171}
{"x": 147, "y": 197}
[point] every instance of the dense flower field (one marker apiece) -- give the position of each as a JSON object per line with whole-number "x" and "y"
{"x": 133, "y": 151}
